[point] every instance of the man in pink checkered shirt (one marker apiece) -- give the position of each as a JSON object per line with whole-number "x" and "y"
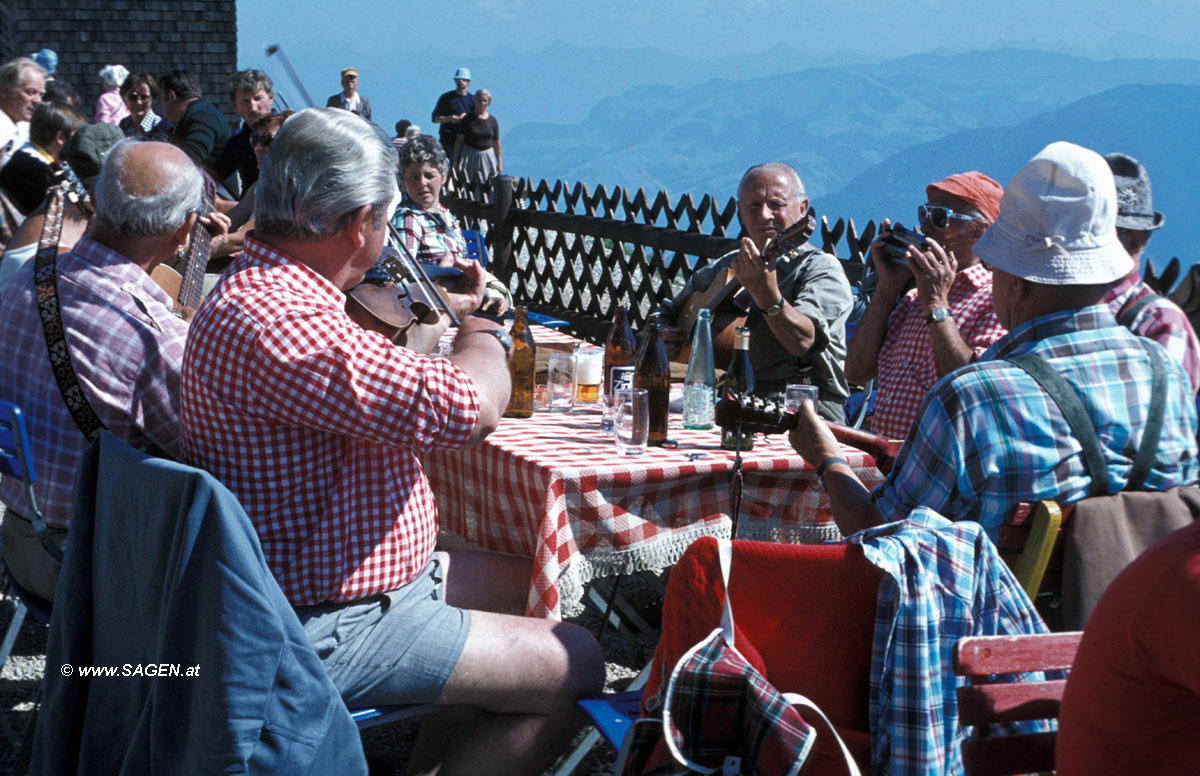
{"x": 909, "y": 340}
{"x": 125, "y": 345}
{"x": 315, "y": 424}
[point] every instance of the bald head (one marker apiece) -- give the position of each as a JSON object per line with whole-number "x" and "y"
{"x": 147, "y": 189}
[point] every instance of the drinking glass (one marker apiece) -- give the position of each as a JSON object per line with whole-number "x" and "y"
{"x": 795, "y": 395}
{"x": 606, "y": 404}
{"x": 631, "y": 420}
{"x": 560, "y": 382}
{"x": 589, "y": 373}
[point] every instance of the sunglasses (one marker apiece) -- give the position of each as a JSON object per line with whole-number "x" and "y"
{"x": 135, "y": 97}
{"x": 264, "y": 140}
{"x": 938, "y": 217}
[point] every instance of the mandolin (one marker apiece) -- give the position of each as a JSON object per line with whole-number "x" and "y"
{"x": 760, "y": 416}
{"x": 728, "y": 301}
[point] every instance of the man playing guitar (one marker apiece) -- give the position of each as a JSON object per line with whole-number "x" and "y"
{"x": 796, "y": 299}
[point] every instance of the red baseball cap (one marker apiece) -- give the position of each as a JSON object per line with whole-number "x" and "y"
{"x": 979, "y": 190}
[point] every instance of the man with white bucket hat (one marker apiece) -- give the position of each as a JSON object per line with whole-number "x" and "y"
{"x": 988, "y": 435}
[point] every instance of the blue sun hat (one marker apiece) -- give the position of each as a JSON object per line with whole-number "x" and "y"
{"x": 464, "y": 73}
{"x": 47, "y": 59}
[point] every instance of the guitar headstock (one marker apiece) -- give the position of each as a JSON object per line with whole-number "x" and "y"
{"x": 792, "y": 238}
{"x": 757, "y": 416}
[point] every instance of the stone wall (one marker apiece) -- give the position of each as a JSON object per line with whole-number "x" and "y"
{"x": 151, "y": 35}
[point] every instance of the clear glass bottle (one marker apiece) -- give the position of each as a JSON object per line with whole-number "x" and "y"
{"x": 521, "y": 367}
{"x": 700, "y": 385}
{"x": 739, "y": 383}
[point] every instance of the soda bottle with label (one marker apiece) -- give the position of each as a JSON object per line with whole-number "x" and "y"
{"x": 620, "y": 347}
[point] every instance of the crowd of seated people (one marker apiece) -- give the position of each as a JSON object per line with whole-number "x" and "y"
{"x": 1010, "y": 284}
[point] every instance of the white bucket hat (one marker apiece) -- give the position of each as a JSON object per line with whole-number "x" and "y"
{"x": 1057, "y": 222}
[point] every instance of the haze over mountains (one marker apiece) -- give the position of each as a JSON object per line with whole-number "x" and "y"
{"x": 865, "y": 132}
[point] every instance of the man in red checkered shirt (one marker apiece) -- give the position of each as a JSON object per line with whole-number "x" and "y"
{"x": 315, "y": 424}
{"x": 909, "y": 340}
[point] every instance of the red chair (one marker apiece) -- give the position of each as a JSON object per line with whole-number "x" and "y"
{"x": 984, "y": 702}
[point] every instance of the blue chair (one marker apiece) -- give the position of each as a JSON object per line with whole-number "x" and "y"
{"x": 16, "y": 461}
{"x": 381, "y": 715}
{"x": 475, "y": 246}
{"x": 611, "y": 714}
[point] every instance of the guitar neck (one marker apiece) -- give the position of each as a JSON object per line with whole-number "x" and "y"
{"x": 882, "y": 449}
{"x": 192, "y": 289}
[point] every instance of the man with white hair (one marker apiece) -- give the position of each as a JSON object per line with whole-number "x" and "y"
{"x": 22, "y": 83}
{"x": 798, "y": 302}
{"x": 124, "y": 345}
{"x": 989, "y": 436}
{"x": 330, "y": 419}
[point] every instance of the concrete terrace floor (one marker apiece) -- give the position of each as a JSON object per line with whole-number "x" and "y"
{"x": 387, "y": 746}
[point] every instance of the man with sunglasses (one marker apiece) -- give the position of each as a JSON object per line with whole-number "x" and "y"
{"x": 908, "y": 340}
{"x": 1135, "y": 305}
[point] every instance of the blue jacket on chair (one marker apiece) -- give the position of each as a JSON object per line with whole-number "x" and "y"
{"x": 164, "y": 575}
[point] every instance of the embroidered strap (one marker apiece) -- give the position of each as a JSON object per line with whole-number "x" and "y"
{"x": 45, "y": 281}
{"x": 1076, "y": 415}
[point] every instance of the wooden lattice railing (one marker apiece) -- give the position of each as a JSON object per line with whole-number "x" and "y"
{"x": 578, "y": 252}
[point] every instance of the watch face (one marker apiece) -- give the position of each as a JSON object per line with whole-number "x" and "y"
{"x": 940, "y": 314}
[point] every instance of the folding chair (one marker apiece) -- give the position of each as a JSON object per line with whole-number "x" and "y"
{"x": 16, "y": 461}
{"x": 475, "y": 247}
{"x": 984, "y": 702}
{"x": 1031, "y": 542}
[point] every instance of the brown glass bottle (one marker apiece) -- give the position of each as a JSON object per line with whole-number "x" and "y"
{"x": 521, "y": 367}
{"x": 653, "y": 373}
{"x": 739, "y": 383}
{"x": 620, "y": 347}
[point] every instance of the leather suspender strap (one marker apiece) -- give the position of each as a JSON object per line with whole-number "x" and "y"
{"x": 1071, "y": 406}
{"x": 45, "y": 281}
{"x": 1076, "y": 415}
{"x": 1130, "y": 310}
{"x": 1154, "y": 422}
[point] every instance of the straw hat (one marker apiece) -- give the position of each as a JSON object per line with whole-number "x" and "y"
{"x": 1057, "y": 222}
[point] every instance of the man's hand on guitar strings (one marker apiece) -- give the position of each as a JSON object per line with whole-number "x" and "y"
{"x": 756, "y": 274}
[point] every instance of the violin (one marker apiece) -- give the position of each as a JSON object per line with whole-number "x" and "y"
{"x": 410, "y": 296}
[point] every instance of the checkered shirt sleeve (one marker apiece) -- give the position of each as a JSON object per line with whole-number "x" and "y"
{"x": 314, "y": 424}
{"x": 127, "y": 350}
{"x": 432, "y": 237}
{"x": 907, "y": 368}
{"x": 1162, "y": 321}
{"x": 988, "y": 437}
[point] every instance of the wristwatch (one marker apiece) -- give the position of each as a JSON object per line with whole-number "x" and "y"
{"x": 502, "y": 336}
{"x": 775, "y": 309}
{"x": 937, "y": 315}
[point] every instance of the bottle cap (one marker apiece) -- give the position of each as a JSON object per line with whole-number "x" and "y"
{"x": 741, "y": 338}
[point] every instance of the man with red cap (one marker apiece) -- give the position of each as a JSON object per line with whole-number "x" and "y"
{"x": 908, "y": 341}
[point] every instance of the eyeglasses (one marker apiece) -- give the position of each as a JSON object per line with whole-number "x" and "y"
{"x": 135, "y": 97}
{"x": 938, "y": 217}
{"x": 264, "y": 140}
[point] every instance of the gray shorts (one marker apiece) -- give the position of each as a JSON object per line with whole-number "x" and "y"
{"x": 396, "y": 647}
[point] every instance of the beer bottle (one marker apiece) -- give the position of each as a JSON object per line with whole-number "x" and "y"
{"x": 521, "y": 367}
{"x": 653, "y": 372}
{"x": 700, "y": 385}
{"x": 739, "y": 383}
{"x": 620, "y": 346}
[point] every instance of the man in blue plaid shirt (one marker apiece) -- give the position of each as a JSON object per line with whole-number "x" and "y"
{"x": 988, "y": 436}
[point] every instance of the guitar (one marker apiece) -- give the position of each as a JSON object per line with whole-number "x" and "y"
{"x": 186, "y": 290}
{"x": 761, "y": 416}
{"x": 728, "y": 301}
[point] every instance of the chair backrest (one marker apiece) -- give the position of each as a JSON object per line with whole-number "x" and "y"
{"x": 16, "y": 460}
{"x": 1031, "y": 542}
{"x": 984, "y": 702}
{"x": 475, "y": 247}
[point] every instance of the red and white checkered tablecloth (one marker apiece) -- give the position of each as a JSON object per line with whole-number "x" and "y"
{"x": 542, "y": 335}
{"x": 552, "y": 487}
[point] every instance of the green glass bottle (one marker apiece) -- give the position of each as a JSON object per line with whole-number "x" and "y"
{"x": 739, "y": 383}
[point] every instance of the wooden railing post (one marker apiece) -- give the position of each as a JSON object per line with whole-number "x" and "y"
{"x": 501, "y": 227}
